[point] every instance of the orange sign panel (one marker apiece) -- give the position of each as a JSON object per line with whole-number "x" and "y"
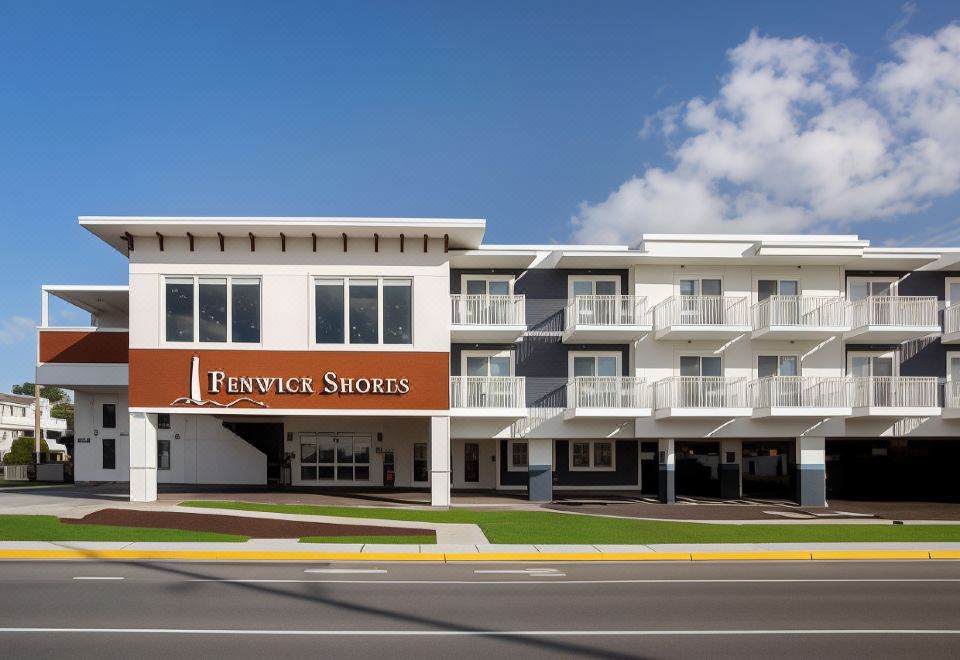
{"x": 83, "y": 346}
{"x": 348, "y": 380}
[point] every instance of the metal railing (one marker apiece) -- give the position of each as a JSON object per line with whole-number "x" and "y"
{"x": 951, "y": 395}
{"x": 701, "y": 310}
{"x": 608, "y": 392}
{"x": 951, "y": 319}
{"x": 893, "y": 311}
{"x": 800, "y": 311}
{"x": 894, "y": 391}
{"x": 606, "y": 310}
{"x": 700, "y": 392}
{"x": 487, "y": 392}
{"x": 480, "y": 309}
{"x": 801, "y": 392}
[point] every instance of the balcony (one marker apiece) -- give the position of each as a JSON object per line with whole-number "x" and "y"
{"x": 76, "y": 357}
{"x": 487, "y": 318}
{"x": 951, "y": 400}
{"x": 701, "y": 317}
{"x": 800, "y": 396}
{"x": 26, "y": 423}
{"x": 892, "y": 319}
{"x": 607, "y": 397}
{"x": 951, "y": 325}
{"x": 894, "y": 396}
{"x": 701, "y": 397}
{"x": 602, "y": 319}
{"x": 488, "y": 397}
{"x": 799, "y": 317}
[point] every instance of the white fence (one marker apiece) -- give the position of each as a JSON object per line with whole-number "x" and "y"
{"x": 700, "y": 392}
{"x": 14, "y": 472}
{"x": 606, "y": 310}
{"x": 894, "y": 311}
{"x": 487, "y": 392}
{"x": 478, "y": 309}
{"x": 608, "y": 392}
{"x": 895, "y": 392}
{"x": 802, "y": 311}
{"x": 701, "y": 310}
{"x": 801, "y": 392}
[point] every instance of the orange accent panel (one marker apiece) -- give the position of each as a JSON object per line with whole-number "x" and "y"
{"x": 84, "y": 346}
{"x": 160, "y": 378}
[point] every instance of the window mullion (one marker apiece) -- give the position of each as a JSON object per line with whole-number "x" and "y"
{"x": 380, "y": 338}
{"x": 229, "y": 310}
{"x": 196, "y": 309}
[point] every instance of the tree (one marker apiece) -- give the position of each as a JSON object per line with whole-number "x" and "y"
{"x": 21, "y": 451}
{"x": 63, "y": 410}
{"x": 48, "y": 392}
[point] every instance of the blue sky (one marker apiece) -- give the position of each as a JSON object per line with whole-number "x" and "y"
{"x": 529, "y": 114}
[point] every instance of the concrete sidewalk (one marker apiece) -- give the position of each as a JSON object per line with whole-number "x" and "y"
{"x": 292, "y": 550}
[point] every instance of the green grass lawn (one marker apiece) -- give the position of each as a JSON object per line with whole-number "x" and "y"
{"x": 49, "y": 528}
{"x": 418, "y": 540}
{"x": 545, "y": 527}
{"x": 28, "y": 484}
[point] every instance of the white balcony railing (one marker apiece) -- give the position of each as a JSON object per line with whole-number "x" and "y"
{"x": 800, "y": 392}
{"x": 487, "y": 392}
{"x": 894, "y": 392}
{"x": 608, "y": 392}
{"x": 894, "y": 311}
{"x": 951, "y": 395}
{"x": 701, "y": 310}
{"x": 800, "y": 311}
{"x": 606, "y": 310}
{"x": 951, "y": 319}
{"x": 484, "y": 310}
{"x": 700, "y": 392}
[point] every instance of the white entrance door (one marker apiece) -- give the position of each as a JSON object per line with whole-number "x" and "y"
{"x": 879, "y": 390}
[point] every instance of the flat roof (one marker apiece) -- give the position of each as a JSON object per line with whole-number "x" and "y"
{"x": 463, "y": 233}
{"x": 94, "y": 298}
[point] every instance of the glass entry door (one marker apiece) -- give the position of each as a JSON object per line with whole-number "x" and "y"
{"x": 702, "y": 381}
{"x": 471, "y": 462}
{"x": 335, "y": 456}
{"x": 701, "y": 302}
{"x": 879, "y": 389}
{"x": 488, "y": 383}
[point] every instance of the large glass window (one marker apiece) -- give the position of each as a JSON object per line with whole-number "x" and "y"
{"x": 363, "y": 311}
{"x": 212, "y": 309}
{"x": 163, "y": 454}
{"x": 339, "y": 457}
{"x": 179, "y": 296}
{"x": 421, "y": 465}
{"x": 592, "y": 455}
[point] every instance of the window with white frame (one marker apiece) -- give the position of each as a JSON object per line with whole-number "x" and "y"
{"x": 859, "y": 288}
{"x": 599, "y": 455}
{"x": 363, "y": 310}
{"x": 951, "y": 291}
{"x": 701, "y": 286}
{"x": 212, "y": 309}
{"x": 584, "y": 364}
{"x": 774, "y": 287}
{"x": 593, "y": 285}
{"x": 777, "y": 365}
{"x": 881, "y": 364}
{"x": 518, "y": 457}
{"x": 496, "y": 364}
{"x": 487, "y": 285}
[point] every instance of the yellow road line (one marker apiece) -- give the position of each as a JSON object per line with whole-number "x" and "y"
{"x": 871, "y": 554}
{"x": 749, "y": 556}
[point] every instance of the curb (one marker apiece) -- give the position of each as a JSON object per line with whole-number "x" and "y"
{"x": 241, "y": 555}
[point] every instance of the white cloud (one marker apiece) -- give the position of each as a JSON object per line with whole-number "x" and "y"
{"x": 794, "y": 141}
{"x": 15, "y": 328}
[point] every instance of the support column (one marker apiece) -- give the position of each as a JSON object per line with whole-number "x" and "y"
{"x": 439, "y": 461}
{"x": 668, "y": 463}
{"x": 811, "y": 472}
{"x": 143, "y": 457}
{"x": 731, "y": 486}
{"x": 540, "y": 470}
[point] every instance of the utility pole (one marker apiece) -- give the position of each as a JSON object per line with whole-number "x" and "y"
{"x": 36, "y": 424}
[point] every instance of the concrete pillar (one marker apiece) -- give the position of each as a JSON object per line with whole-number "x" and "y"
{"x": 143, "y": 457}
{"x": 811, "y": 472}
{"x": 540, "y": 469}
{"x": 668, "y": 463}
{"x": 439, "y": 461}
{"x": 731, "y": 487}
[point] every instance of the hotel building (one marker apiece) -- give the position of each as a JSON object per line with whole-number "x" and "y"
{"x": 405, "y": 353}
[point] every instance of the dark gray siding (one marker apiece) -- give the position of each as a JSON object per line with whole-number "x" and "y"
{"x": 625, "y": 474}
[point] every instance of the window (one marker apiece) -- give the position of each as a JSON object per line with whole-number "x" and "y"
{"x": 767, "y": 288}
{"x": 335, "y": 456}
{"x": 702, "y": 366}
{"x": 421, "y": 469}
{"x": 951, "y": 291}
{"x": 519, "y": 456}
{"x": 363, "y": 311}
{"x": 701, "y": 287}
{"x": 163, "y": 454}
{"x": 595, "y": 364}
{"x": 777, "y": 365}
{"x": 163, "y": 421}
{"x": 493, "y": 363}
{"x": 109, "y": 416}
{"x": 493, "y": 285}
{"x": 701, "y": 386}
{"x": 879, "y": 368}
{"x": 109, "y": 449}
{"x": 859, "y": 288}
{"x": 212, "y": 309}
{"x": 879, "y": 365}
{"x": 594, "y": 286}
{"x": 592, "y": 455}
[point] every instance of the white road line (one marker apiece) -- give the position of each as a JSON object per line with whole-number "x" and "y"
{"x": 345, "y": 571}
{"x": 532, "y": 572}
{"x": 98, "y": 578}
{"x": 652, "y": 581}
{"x": 485, "y": 633}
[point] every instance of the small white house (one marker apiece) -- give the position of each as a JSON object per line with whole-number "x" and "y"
{"x": 17, "y": 419}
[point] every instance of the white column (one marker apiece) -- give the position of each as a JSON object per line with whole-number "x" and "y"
{"x": 143, "y": 457}
{"x": 439, "y": 461}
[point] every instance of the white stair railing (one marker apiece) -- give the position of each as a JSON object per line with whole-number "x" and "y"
{"x": 487, "y": 392}
{"x": 479, "y": 309}
{"x": 608, "y": 392}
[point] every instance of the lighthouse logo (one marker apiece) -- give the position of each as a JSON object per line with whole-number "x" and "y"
{"x": 196, "y": 398}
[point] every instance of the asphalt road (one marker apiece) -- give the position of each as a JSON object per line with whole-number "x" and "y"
{"x": 185, "y": 610}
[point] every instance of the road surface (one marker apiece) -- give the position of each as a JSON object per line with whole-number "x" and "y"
{"x": 180, "y": 610}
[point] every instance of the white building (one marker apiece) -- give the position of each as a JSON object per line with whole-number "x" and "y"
{"x": 405, "y": 353}
{"x": 17, "y": 419}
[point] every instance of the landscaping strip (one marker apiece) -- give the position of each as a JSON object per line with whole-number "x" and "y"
{"x": 50, "y": 528}
{"x": 544, "y": 527}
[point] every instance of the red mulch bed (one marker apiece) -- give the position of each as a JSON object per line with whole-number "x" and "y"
{"x": 258, "y": 528}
